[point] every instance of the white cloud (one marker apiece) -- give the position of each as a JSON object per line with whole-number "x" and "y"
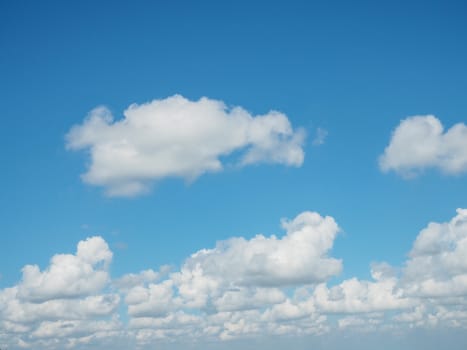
{"x": 155, "y": 300}
{"x": 242, "y": 288}
{"x": 176, "y": 137}
{"x": 68, "y": 276}
{"x": 220, "y": 297}
{"x": 414, "y": 316}
{"x": 238, "y": 288}
{"x": 22, "y": 312}
{"x": 299, "y": 257}
{"x": 438, "y": 265}
{"x": 356, "y": 296}
{"x": 420, "y": 142}
{"x": 240, "y": 274}
{"x": 63, "y": 305}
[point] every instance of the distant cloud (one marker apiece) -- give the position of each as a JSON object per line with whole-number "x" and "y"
{"x": 420, "y": 142}
{"x": 242, "y": 288}
{"x": 320, "y": 137}
{"x": 176, "y": 137}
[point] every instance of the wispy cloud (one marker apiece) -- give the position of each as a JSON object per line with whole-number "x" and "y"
{"x": 320, "y": 137}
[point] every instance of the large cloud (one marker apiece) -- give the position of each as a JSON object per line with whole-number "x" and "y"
{"x": 420, "y": 142}
{"x": 242, "y": 288}
{"x": 220, "y": 297}
{"x": 242, "y": 274}
{"x": 176, "y": 137}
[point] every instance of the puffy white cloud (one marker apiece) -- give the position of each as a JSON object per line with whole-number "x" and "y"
{"x": 242, "y": 288}
{"x": 414, "y": 316}
{"x": 356, "y": 296}
{"x": 240, "y": 274}
{"x": 155, "y": 300}
{"x": 68, "y": 276}
{"x": 63, "y": 305}
{"x": 299, "y": 257}
{"x": 238, "y": 288}
{"x": 221, "y": 298}
{"x": 438, "y": 265}
{"x": 435, "y": 275}
{"x": 23, "y": 312}
{"x": 420, "y": 142}
{"x": 176, "y": 137}
{"x": 431, "y": 283}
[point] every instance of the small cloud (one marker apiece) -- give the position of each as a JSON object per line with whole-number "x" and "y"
{"x": 420, "y": 142}
{"x": 320, "y": 137}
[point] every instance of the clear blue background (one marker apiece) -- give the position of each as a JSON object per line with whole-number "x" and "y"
{"x": 354, "y": 68}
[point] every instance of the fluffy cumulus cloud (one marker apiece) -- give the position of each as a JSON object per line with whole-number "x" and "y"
{"x": 240, "y": 289}
{"x": 68, "y": 276}
{"x": 438, "y": 261}
{"x": 176, "y": 137}
{"x": 299, "y": 257}
{"x": 420, "y": 142}
{"x": 240, "y": 275}
{"x": 356, "y": 296}
{"x": 65, "y": 302}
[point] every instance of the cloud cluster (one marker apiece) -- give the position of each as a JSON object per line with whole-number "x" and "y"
{"x": 176, "y": 137}
{"x": 67, "y": 300}
{"x": 240, "y": 274}
{"x": 420, "y": 142}
{"x": 241, "y": 288}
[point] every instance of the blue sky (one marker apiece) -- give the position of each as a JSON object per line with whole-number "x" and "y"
{"x": 356, "y": 72}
